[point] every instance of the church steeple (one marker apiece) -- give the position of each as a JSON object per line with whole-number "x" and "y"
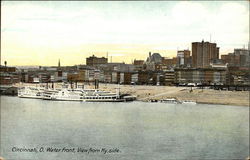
{"x": 59, "y": 64}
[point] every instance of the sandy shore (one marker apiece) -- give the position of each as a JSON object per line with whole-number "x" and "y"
{"x": 145, "y": 93}
{"x": 210, "y": 96}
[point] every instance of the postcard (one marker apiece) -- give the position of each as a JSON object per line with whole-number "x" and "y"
{"x": 124, "y": 80}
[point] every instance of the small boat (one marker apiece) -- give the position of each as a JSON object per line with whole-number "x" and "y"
{"x": 128, "y": 97}
{"x": 188, "y": 102}
{"x": 171, "y": 100}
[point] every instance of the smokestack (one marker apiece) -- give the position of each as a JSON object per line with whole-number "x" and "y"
{"x": 108, "y": 56}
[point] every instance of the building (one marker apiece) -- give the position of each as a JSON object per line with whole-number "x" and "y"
{"x": 169, "y": 62}
{"x": 203, "y": 53}
{"x": 127, "y": 77}
{"x": 94, "y": 61}
{"x": 230, "y": 59}
{"x": 183, "y": 58}
{"x": 134, "y": 78}
{"x": 239, "y": 58}
{"x": 138, "y": 64}
{"x": 9, "y": 75}
{"x": 206, "y": 76}
{"x": 117, "y": 67}
{"x": 238, "y": 76}
{"x": 114, "y": 77}
{"x": 218, "y": 64}
{"x": 155, "y": 57}
{"x": 8, "y": 78}
{"x": 145, "y": 77}
{"x": 169, "y": 77}
{"x": 107, "y": 77}
{"x": 153, "y": 61}
{"x": 7, "y": 69}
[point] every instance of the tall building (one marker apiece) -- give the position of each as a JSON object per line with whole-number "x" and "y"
{"x": 203, "y": 53}
{"x": 183, "y": 58}
{"x": 93, "y": 61}
{"x": 239, "y": 58}
{"x": 244, "y": 55}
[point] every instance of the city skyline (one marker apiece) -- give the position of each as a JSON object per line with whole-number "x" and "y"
{"x": 40, "y": 33}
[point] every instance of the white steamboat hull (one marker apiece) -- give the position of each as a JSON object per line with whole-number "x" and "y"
{"x": 104, "y": 100}
{"x": 63, "y": 99}
{"x": 29, "y": 96}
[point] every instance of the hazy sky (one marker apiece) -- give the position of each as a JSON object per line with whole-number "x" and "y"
{"x": 39, "y": 33}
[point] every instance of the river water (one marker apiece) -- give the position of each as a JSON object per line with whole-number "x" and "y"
{"x": 136, "y": 130}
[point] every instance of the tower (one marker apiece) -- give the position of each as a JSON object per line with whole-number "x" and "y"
{"x": 59, "y": 65}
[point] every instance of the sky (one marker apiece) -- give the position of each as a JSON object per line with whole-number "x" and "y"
{"x": 42, "y": 32}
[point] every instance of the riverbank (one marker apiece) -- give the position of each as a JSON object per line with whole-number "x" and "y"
{"x": 145, "y": 93}
{"x": 207, "y": 96}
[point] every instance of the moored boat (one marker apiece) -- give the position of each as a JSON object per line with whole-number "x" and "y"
{"x": 171, "y": 100}
{"x": 30, "y": 92}
{"x": 65, "y": 94}
{"x": 188, "y": 102}
{"x": 104, "y": 96}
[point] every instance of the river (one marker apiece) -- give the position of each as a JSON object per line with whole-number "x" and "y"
{"x": 30, "y": 128}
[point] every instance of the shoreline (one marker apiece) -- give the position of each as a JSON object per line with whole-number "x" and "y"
{"x": 146, "y": 93}
{"x": 202, "y": 96}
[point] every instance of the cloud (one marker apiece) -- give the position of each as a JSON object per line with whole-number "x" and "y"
{"x": 162, "y": 26}
{"x": 187, "y": 13}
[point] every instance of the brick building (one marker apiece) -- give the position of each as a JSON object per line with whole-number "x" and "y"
{"x": 203, "y": 53}
{"x": 94, "y": 61}
{"x": 206, "y": 76}
{"x": 239, "y": 58}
